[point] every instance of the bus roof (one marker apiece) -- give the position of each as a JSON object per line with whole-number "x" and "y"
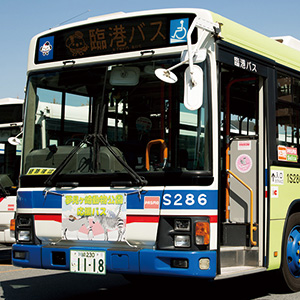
{"x": 246, "y": 38}
{"x": 231, "y": 32}
{"x": 5, "y": 101}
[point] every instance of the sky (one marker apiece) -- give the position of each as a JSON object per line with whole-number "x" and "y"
{"x": 20, "y": 20}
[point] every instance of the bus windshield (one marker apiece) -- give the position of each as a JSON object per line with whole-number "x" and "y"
{"x": 143, "y": 120}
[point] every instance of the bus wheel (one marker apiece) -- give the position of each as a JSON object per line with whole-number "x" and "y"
{"x": 291, "y": 253}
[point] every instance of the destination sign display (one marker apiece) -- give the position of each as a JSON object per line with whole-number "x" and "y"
{"x": 115, "y": 36}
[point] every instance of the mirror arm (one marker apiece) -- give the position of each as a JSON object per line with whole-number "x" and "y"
{"x": 207, "y": 27}
{"x": 190, "y": 51}
{"x": 178, "y": 65}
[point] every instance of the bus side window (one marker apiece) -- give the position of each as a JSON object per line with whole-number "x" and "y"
{"x": 239, "y": 95}
{"x": 287, "y": 112}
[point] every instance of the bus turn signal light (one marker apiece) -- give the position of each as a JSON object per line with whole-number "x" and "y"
{"x": 202, "y": 233}
{"x": 12, "y": 225}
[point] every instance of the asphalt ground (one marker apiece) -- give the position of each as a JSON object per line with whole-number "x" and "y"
{"x": 27, "y": 283}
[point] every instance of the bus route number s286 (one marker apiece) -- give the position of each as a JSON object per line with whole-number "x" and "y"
{"x": 184, "y": 200}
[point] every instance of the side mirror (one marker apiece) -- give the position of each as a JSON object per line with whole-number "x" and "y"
{"x": 193, "y": 88}
{"x": 166, "y": 75}
{"x": 169, "y": 77}
{"x": 14, "y": 140}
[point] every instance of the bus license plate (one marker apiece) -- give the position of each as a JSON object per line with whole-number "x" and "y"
{"x": 89, "y": 262}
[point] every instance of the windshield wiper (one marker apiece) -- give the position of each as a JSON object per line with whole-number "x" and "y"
{"x": 86, "y": 140}
{"x": 92, "y": 140}
{"x": 137, "y": 178}
{"x": 141, "y": 181}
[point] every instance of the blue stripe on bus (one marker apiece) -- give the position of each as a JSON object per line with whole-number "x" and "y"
{"x": 190, "y": 199}
{"x": 169, "y": 199}
{"x": 37, "y": 199}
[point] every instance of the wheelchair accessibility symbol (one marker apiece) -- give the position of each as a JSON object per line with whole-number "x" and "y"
{"x": 178, "y": 30}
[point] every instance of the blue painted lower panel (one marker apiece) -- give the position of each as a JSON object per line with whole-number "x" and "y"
{"x": 143, "y": 261}
{"x": 33, "y": 256}
{"x": 159, "y": 263}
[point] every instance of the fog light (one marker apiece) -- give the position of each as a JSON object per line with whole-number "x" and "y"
{"x": 24, "y": 236}
{"x": 179, "y": 263}
{"x": 19, "y": 254}
{"x": 24, "y": 221}
{"x": 202, "y": 233}
{"x": 204, "y": 263}
{"x": 183, "y": 241}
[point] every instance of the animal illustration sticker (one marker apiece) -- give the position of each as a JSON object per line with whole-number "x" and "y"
{"x": 46, "y": 47}
{"x": 243, "y": 163}
{"x": 99, "y": 217}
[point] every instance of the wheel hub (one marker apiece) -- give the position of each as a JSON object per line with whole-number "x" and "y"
{"x": 293, "y": 251}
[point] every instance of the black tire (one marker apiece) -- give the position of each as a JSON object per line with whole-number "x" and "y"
{"x": 290, "y": 263}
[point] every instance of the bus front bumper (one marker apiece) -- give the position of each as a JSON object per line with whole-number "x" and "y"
{"x": 136, "y": 261}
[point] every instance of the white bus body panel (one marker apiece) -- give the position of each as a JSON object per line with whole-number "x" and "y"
{"x": 7, "y": 212}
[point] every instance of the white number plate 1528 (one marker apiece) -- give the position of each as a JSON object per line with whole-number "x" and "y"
{"x": 89, "y": 262}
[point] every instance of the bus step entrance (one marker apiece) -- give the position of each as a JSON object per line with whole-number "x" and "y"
{"x": 235, "y": 256}
{"x": 237, "y": 250}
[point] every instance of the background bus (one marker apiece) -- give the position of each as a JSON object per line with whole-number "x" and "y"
{"x": 186, "y": 159}
{"x": 10, "y": 157}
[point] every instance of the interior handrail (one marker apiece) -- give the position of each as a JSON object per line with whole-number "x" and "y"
{"x": 164, "y": 152}
{"x": 252, "y": 227}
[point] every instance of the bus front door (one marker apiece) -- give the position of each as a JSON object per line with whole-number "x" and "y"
{"x": 240, "y": 131}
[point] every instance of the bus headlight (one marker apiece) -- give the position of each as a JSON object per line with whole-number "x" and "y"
{"x": 182, "y": 224}
{"x": 183, "y": 241}
{"x": 183, "y": 233}
{"x": 24, "y": 229}
{"x": 24, "y": 236}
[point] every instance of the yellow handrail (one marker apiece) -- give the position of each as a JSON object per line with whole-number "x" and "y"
{"x": 164, "y": 151}
{"x": 252, "y": 228}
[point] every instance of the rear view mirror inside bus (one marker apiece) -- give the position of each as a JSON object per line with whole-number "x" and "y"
{"x": 124, "y": 76}
{"x": 193, "y": 88}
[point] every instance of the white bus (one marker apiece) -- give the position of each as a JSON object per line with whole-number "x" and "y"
{"x": 185, "y": 162}
{"x": 10, "y": 156}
